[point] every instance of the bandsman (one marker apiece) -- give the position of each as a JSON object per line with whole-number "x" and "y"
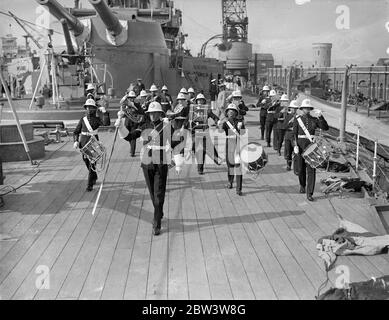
{"x": 303, "y": 127}
{"x": 279, "y": 131}
{"x": 233, "y": 128}
{"x": 289, "y": 137}
{"x": 87, "y": 127}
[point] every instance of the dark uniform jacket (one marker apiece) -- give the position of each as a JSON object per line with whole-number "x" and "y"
{"x": 166, "y": 101}
{"x": 213, "y": 91}
{"x": 242, "y": 110}
{"x": 311, "y": 123}
{"x": 287, "y": 125}
{"x": 263, "y": 106}
{"x": 279, "y": 117}
{"x": 271, "y": 111}
{"x": 95, "y": 123}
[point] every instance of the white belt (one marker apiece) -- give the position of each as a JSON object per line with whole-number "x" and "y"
{"x": 158, "y": 147}
{"x": 94, "y": 133}
{"x": 303, "y": 136}
{"x": 164, "y": 102}
{"x": 271, "y": 112}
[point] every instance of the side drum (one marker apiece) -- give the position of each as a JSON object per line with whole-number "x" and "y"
{"x": 316, "y": 154}
{"x": 253, "y": 157}
{"x": 93, "y": 150}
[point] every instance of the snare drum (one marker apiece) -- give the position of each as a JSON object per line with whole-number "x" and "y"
{"x": 93, "y": 150}
{"x": 316, "y": 154}
{"x": 253, "y": 157}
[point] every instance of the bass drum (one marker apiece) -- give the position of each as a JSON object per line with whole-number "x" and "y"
{"x": 253, "y": 157}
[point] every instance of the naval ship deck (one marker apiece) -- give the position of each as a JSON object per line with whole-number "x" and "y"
{"x": 214, "y": 244}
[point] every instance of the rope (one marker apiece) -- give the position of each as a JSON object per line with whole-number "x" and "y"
{"x": 324, "y": 283}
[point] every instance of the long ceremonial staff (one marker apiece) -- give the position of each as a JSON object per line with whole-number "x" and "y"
{"x": 106, "y": 170}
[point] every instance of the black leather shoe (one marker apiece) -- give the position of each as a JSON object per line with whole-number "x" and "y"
{"x": 218, "y": 161}
{"x": 133, "y": 155}
{"x": 156, "y": 231}
{"x": 229, "y": 186}
{"x": 288, "y": 168}
{"x": 89, "y": 188}
{"x": 239, "y": 192}
{"x": 302, "y": 189}
{"x": 310, "y": 198}
{"x": 201, "y": 172}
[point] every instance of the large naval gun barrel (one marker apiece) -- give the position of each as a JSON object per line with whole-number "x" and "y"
{"x": 110, "y": 20}
{"x": 68, "y": 39}
{"x": 60, "y": 12}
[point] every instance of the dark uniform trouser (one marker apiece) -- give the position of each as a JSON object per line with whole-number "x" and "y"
{"x": 288, "y": 151}
{"x": 304, "y": 170}
{"x": 262, "y": 122}
{"x": 133, "y": 146}
{"x": 279, "y": 138}
{"x": 156, "y": 177}
{"x": 269, "y": 128}
{"x": 232, "y": 168}
{"x": 92, "y": 176}
{"x": 202, "y": 151}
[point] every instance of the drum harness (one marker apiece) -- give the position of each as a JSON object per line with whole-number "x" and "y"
{"x": 92, "y": 133}
{"x": 307, "y": 134}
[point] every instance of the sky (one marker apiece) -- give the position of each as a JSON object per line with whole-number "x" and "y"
{"x": 285, "y": 28}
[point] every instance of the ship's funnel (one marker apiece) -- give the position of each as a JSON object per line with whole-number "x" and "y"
{"x": 110, "y": 20}
{"x": 60, "y": 12}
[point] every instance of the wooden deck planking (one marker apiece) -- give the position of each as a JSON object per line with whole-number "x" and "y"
{"x": 41, "y": 219}
{"x": 218, "y": 280}
{"x": 284, "y": 256}
{"x": 214, "y": 244}
{"x": 95, "y": 281}
{"x": 28, "y": 289}
{"x": 177, "y": 286}
{"x": 137, "y": 279}
{"x": 78, "y": 274}
{"x": 22, "y": 201}
{"x": 229, "y": 234}
{"x": 73, "y": 243}
{"x": 42, "y": 202}
{"x": 198, "y": 283}
{"x": 264, "y": 251}
{"x": 285, "y": 224}
{"x": 323, "y": 208}
{"x": 129, "y": 203}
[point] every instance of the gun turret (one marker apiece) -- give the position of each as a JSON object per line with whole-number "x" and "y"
{"x": 117, "y": 33}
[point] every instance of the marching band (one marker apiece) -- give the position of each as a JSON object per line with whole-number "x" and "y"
{"x": 165, "y": 127}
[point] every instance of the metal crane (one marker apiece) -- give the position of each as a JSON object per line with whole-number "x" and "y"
{"x": 28, "y": 34}
{"x": 235, "y": 20}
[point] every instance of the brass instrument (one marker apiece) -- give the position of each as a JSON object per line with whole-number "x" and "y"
{"x": 133, "y": 116}
{"x": 178, "y": 108}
